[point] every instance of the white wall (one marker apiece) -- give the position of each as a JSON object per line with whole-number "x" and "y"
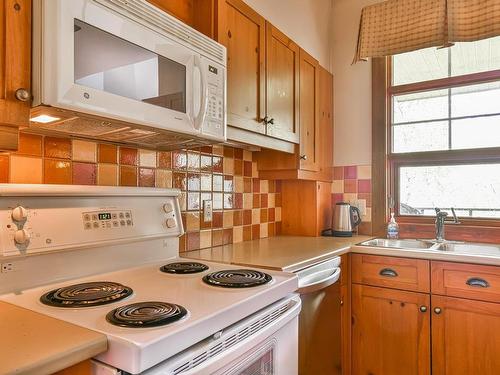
{"x": 352, "y": 87}
{"x": 307, "y": 22}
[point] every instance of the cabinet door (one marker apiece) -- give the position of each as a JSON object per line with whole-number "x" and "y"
{"x": 309, "y": 110}
{"x": 15, "y": 66}
{"x": 282, "y": 86}
{"x": 390, "y": 332}
{"x": 243, "y": 31}
{"x": 325, "y": 124}
{"x": 465, "y": 337}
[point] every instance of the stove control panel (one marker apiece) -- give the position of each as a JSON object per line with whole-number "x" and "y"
{"x": 34, "y": 224}
{"x": 107, "y": 219}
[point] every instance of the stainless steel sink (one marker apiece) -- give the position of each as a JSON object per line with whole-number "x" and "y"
{"x": 398, "y": 244}
{"x": 456, "y": 247}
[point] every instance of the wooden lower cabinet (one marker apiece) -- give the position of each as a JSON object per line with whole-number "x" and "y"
{"x": 390, "y": 332}
{"x": 465, "y": 337}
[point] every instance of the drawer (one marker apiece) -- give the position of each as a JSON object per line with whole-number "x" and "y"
{"x": 391, "y": 272}
{"x": 466, "y": 281}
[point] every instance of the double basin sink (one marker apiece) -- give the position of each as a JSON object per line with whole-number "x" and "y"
{"x": 433, "y": 245}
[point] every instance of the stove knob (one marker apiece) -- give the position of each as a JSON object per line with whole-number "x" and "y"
{"x": 22, "y": 237}
{"x": 171, "y": 223}
{"x": 168, "y": 208}
{"x": 19, "y": 213}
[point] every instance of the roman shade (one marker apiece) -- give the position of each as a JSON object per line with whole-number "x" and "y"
{"x": 397, "y": 26}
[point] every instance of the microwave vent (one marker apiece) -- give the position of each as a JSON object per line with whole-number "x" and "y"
{"x": 149, "y": 16}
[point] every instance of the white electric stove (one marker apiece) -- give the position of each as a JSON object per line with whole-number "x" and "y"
{"x": 95, "y": 257}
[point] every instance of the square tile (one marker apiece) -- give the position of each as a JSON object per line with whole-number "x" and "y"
{"x": 4, "y": 168}
{"x": 128, "y": 156}
{"x": 206, "y": 149}
{"x": 337, "y": 186}
{"x": 255, "y": 185}
{"x": 255, "y": 231}
{"x": 205, "y": 239}
{"x": 84, "y": 173}
{"x": 192, "y": 221}
{"x": 247, "y": 233}
{"x": 277, "y": 213}
{"x": 206, "y": 182}
{"x": 179, "y": 180}
{"x": 237, "y": 217}
{"x": 107, "y": 174}
{"x": 271, "y": 186}
{"x": 147, "y": 158}
{"x": 238, "y": 200}
{"x": 179, "y": 160}
{"x": 108, "y": 154}
{"x": 228, "y": 184}
{"x": 228, "y": 201}
{"x": 128, "y": 175}
{"x": 338, "y": 173}
{"x": 271, "y": 200}
{"x": 193, "y": 201}
{"x": 237, "y": 234}
{"x": 271, "y": 214}
{"x": 278, "y": 186}
{"x": 247, "y": 168}
{"x": 227, "y": 236}
{"x": 247, "y": 201}
{"x": 367, "y": 197}
{"x": 264, "y": 186}
{"x": 183, "y": 201}
{"x": 193, "y": 161}
{"x": 238, "y": 184}
{"x": 350, "y": 186}
{"x": 218, "y": 150}
{"x": 84, "y": 151}
{"x": 238, "y": 153}
{"x": 163, "y": 178}
{"x": 337, "y": 197}
{"x": 364, "y": 172}
{"x": 256, "y": 201}
{"x": 255, "y": 170}
{"x": 193, "y": 181}
{"x": 271, "y": 229}
{"x": 206, "y": 163}
{"x": 217, "y": 164}
{"x": 217, "y": 201}
{"x": 247, "y": 217}
{"x": 217, "y": 237}
{"x": 263, "y": 215}
{"x": 29, "y": 144}
{"x": 217, "y": 219}
{"x": 247, "y": 185}
{"x": 182, "y": 243}
{"x": 277, "y": 200}
{"x": 146, "y": 177}
{"x": 25, "y": 170}
{"x": 350, "y": 173}
{"x": 228, "y": 152}
{"x": 57, "y": 172}
{"x": 59, "y": 148}
{"x": 256, "y": 216}
{"x": 238, "y": 167}
{"x": 193, "y": 241}
{"x": 218, "y": 182}
{"x": 263, "y": 230}
{"x": 364, "y": 186}
{"x": 228, "y": 166}
{"x": 164, "y": 159}
{"x": 227, "y": 219}
{"x": 247, "y": 155}
{"x": 264, "y": 200}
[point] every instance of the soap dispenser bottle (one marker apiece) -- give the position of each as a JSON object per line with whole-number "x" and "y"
{"x": 392, "y": 228}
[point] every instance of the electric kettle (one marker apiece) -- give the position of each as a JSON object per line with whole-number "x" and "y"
{"x": 345, "y": 219}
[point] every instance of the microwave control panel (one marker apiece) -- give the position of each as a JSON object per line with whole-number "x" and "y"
{"x": 216, "y": 114}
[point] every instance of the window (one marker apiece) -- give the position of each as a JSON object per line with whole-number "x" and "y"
{"x": 444, "y": 131}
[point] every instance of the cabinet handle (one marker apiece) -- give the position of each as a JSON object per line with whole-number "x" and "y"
{"x": 477, "y": 282}
{"x": 388, "y": 272}
{"x": 22, "y": 95}
{"x": 437, "y": 310}
{"x": 265, "y": 120}
{"x": 271, "y": 121}
{"x": 423, "y": 309}
{"x": 303, "y": 157}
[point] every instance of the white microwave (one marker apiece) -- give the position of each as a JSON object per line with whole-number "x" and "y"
{"x": 158, "y": 81}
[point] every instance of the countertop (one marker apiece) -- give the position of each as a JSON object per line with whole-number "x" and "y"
{"x": 33, "y": 343}
{"x": 292, "y": 253}
{"x": 285, "y": 253}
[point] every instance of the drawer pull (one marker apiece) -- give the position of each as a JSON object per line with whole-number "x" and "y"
{"x": 477, "y": 282}
{"x": 388, "y": 272}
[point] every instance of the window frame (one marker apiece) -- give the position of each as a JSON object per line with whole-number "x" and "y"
{"x": 446, "y": 157}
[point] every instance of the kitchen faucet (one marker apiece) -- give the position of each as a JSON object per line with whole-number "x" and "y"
{"x": 441, "y": 220}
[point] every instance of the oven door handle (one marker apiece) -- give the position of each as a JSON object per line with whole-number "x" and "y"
{"x": 320, "y": 284}
{"x": 199, "y": 118}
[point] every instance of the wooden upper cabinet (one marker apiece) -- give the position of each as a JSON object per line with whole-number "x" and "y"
{"x": 390, "y": 332}
{"x": 309, "y": 112}
{"x": 465, "y": 337}
{"x": 243, "y": 32}
{"x": 15, "y": 69}
{"x": 282, "y": 86}
{"x": 325, "y": 142}
{"x": 199, "y": 14}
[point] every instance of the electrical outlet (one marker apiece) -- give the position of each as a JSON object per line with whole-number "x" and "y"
{"x": 7, "y": 267}
{"x": 361, "y": 204}
{"x": 207, "y": 210}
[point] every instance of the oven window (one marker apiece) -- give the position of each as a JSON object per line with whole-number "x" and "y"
{"x": 111, "y": 64}
{"x": 262, "y": 365}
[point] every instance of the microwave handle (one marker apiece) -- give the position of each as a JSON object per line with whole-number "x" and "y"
{"x": 199, "y": 118}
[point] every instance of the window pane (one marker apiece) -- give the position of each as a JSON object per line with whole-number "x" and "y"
{"x": 426, "y": 136}
{"x": 475, "y": 132}
{"x": 474, "y": 57}
{"x": 475, "y": 100}
{"x": 472, "y": 189}
{"x": 422, "y": 106}
{"x": 417, "y": 66}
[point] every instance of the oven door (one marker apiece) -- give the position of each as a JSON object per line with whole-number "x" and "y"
{"x": 97, "y": 61}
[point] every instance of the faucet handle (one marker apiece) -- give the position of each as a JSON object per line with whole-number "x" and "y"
{"x": 441, "y": 214}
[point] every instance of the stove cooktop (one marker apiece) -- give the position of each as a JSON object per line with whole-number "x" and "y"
{"x": 146, "y": 314}
{"x": 241, "y": 278}
{"x": 184, "y": 267}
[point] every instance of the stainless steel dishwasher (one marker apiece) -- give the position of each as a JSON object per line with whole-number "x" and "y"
{"x": 319, "y": 319}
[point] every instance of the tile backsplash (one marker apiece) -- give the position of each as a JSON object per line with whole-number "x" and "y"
{"x": 244, "y": 207}
{"x": 353, "y": 184}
